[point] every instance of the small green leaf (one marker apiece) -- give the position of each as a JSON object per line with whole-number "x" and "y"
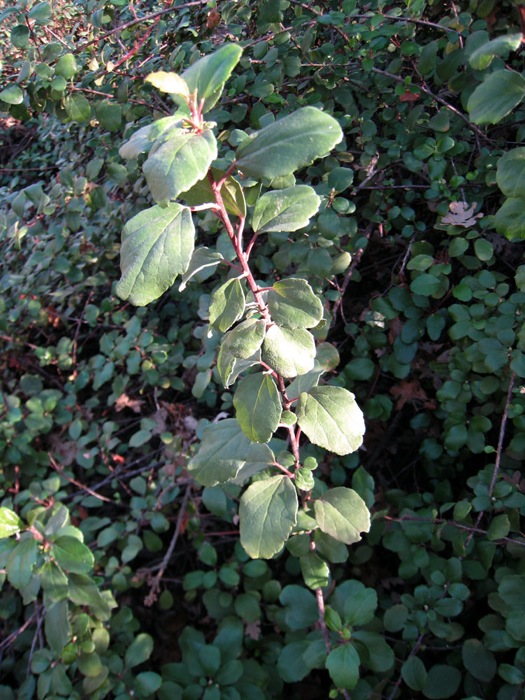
{"x": 203, "y": 263}
{"x": 331, "y": 418}
{"x": 343, "y": 666}
{"x": 71, "y": 555}
{"x": 509, "y": 220}
{"x": 169, "y": 82}
{"x": 109, "y": 114}
{"x": 54, "y": 582}
{"x": 267, "y": 514}
{"x": 360, "y": 603}
{"x": 78, "y": 107}
{"x": 496, "y": 97}
{"x": 510, "y": 174}
{"x": 414, "y": 673}
{"x": 66, "y": 66}
{"x": 139, "y": 650}
{"x": 288, "y": 144}
{"x": 246, "y": 338}
{"x": 10, "y": 523}
{"x": 289, "y": 352}
{"x": 285, "y": 210}
{"x": 499, "y": 527}
{"x": 442, "y": 682}
{"x": 224, "y": 450}
{"x": 479, "y": 660}
{"x": 20, "y": 562}
{"x": 58, "y": 630}
{"x": 315, "y": 571}
{"x": 232, "y": 193}
{"x": 227, "y": 305}
{"x": 293, "y": 304}
{"x": 208, "y": 75}
{"x": 177, "y": 161}
{"x": 147, "y": 683}
{"x": 257, "y": 406}
{"x": 342, "y": 513}
{"x": 378, "y": 656}
{"x": 142, "y": 140}
{"x": 82, "y": 590}
{"x": 157, "y": 245}
{"x": 230, "y": 367}
{"x": 340, "y": 179}
{"x": 40, "y": 13}
{"x": 425, "y": 284}
{"x": 12, "y": 95}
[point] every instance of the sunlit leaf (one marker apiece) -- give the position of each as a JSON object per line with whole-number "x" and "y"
{"x": 342, "y": 513}
{"x": 285, "y": 210}
{"x": 257, "y": 406}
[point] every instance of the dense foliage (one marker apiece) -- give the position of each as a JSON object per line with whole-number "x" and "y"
{"x": 121, "y": 574}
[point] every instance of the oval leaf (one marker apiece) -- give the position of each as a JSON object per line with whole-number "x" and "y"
{"x": 169, "y": 82}
{"x": 414, "y": 673}
{"x": 343, "y": 514}
{"x": 510, "y": 174}
{"x": 157, "y": 245}
{"x": 71, "y": 555}
{"x": 289, "y": 352}
{"x": 509, "y": 220}
{"x": 12, "y": 95}
{"x": 227, "y": 305}
{"x": 343, "y": 666}
{"x": 292, "y": 303}
{"x": 288, "y": 144}
{"x": 267, "y": 514}
{"x": 285, "y": 210}
{"x": 231, "y": 192}
{"x": 10, "y": 523}
{"x": 208, "y": 75}
{"x": 20, "y": 562}
{"x": 202, "y": 264}
{"x": 257, "y": 406}
{"x": 497, "y": 95}
{"x": 331, "y": 418}
{"x": 482, "y": 57}
{"x": 181, "y": 159}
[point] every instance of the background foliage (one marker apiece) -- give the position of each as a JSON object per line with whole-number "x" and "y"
{"x": 122, "y": 575}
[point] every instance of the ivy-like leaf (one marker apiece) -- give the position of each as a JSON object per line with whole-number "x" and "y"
{"x": 202, "y": 264}
{"x": 293, "y": 304}
{"x": 208, "y": 75}
{"x": 289, "y": 352}
{"x": 330, "y": 418}
{"x": 342, "y": 513}
{"x": 224, "y": 450}
{"x": 178, "y": 161}
{"x": 285, "y": 210}
{"x": 227, "y": 305}
{"x": 496, "y": 97}
{"x": 157, "y": 245}
{"x": 288, "y": 144}
{"x": 258, "y": 406}
{"x": 231, "y": 192}
{"x": 267, "y": 514}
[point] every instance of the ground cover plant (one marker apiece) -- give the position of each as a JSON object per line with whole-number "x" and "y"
{"x": 316, "y": 210}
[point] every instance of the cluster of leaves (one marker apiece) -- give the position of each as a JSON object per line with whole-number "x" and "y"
{"x": 97, "y": 430}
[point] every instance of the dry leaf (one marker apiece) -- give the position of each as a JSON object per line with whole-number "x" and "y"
{"x": 408, "y": 391}
{"x": 124, "y": 401}
{"x": 253, "y": 629}
{"x": 461, "y": 214}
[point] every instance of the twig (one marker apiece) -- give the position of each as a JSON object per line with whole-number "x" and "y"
{"x": 413, "y": 652}
{"x": 80, "y": 485}
{"x": 155, "y": 584}
{"x": 348, "y": 276}
{"x": 10, "y": 639}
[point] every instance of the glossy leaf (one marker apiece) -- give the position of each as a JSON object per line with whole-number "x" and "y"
{"x": 342, "y": 513}
{"x": 231, "y": 192}
{"x": 224, "y": 450}
{"x": 12, "y": 95}
{"x": 10, "y": 523}
{"x": 71, "y": 555}
{"x": 178, "y": 161}
{"x": 289, "y": 352}
{"x": 496, "y": 97}
{"x": 331, "y": 418}
{"x": 343, "y": 666}
{"x": 293, "y": 304}
{"x": 157, "y": 245}
{"x": 510, "y": 174}
{"x": 203, "y": 263}
{"x": 267, "y": 513}
{"x": 227, "y": 305}
{"x": 509, "y": 220}
{"x": 285, "y": 210}
{"x": 257, "y": 406}
{"x": 208, "y": 75}
{"x": 20, "y": 562}
{"x": 288, "y": 144}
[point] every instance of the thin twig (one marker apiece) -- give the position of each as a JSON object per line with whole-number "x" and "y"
{"x": 413, "y": 652}
{"x": 155, "y": 584}
{"x": 356, "y": 259}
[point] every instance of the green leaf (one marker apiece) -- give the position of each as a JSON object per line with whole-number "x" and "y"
{"x": 257, "y": 406}
{"x": 375, "y": 653}
{"x": 425, "y": 284}
{"x": 289, "y": 352}
{"x": 343, "y": 666}
{"x": 342, "y": 513}
{"x": 20, "y": 562}
{"x": 169, "y": 82}
{"x": 40, "y": 13}
{"x": 230, "y": 367}
{"x": 208, "y": 75}
{"x": 288, "y": 144}
{"x": 12, "y": 95}
{"x": 54, "y": 582}
{"x": 139, "y": 650}
{"x": 142, "y": 140}
{"x": 202, "y": 264}
{"x": 414, "y": 673}
{"x": 147, "y": 683}
{"x": 482, "y": 57}
{"x": 360, "y": 603}
{"x": 232, "y": 194}
{"x": 293, "y": 304}
{"x": 267, "y": 514}
{"x": 496, "y": 97}
{"x": 285, "y": 210}
{"x": 71, "y": 555}
{"x": 224, "y": 450}
{"x": 227, "y": 305}
{"x": 510, "y": 174}
{"x": 66, "y": 66}
{"x": 479, "y": 660}
{"x": 442, "y": 682}
{"x": 509, "y": 220}
{"x": 331, "y": 418}
{"x": 499, "y": 527}
{"x": 177, "y": 161}
{"x": 109, "y": 115}
{"x": 340, "y": 179}
{"x": 82, "y": 590}
{"x": 57, "y": 628}
{"x": 77, "y": 107}
{"x": 157, "y": 245}
{"x": 245, "y": 339}
{"x": 315, "y": 571}
{"x": 10, "y": 523}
